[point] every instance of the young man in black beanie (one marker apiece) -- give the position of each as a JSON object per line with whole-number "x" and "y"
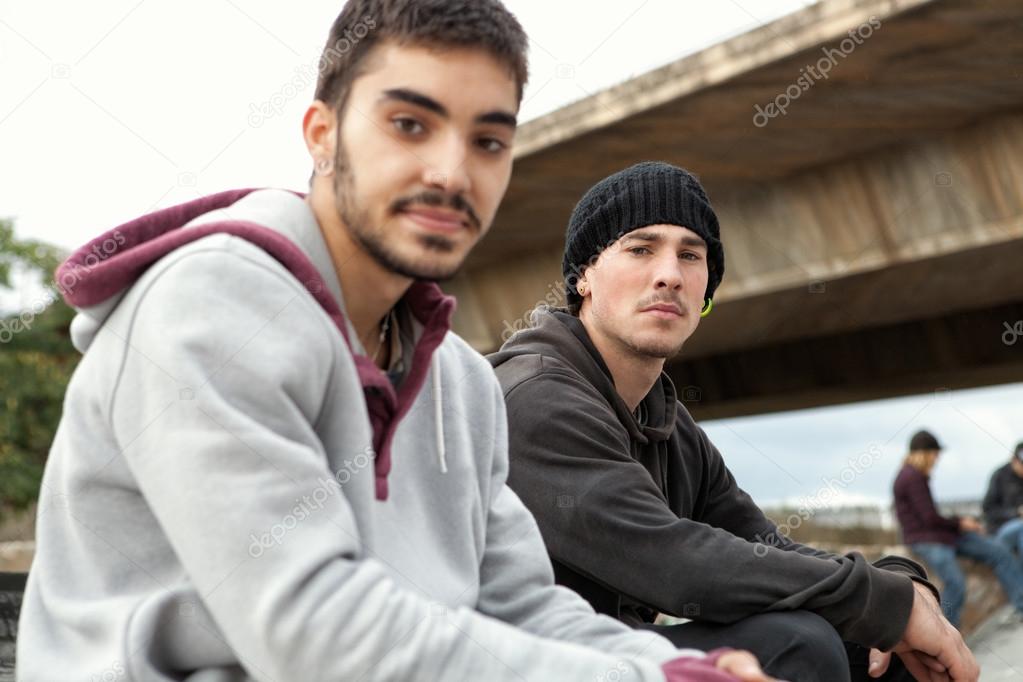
{"x": 637, "y": 508}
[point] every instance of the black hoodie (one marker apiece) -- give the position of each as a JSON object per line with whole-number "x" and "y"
{"x": 1003, "y": 499}
{"x": 642, "y": 516}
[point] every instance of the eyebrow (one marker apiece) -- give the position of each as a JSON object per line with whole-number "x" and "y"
{"x": 657, "y": 238}
{"x": 425, "y": 102}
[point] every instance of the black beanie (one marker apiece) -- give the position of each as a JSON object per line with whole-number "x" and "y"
{"x": 649, "y": 193}
{"x": 924, "y": 440}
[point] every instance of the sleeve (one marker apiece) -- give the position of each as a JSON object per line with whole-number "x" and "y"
{"x": 731, "y": 508}
{"x": 517, "y": 580}
{"x": 218, "y": 393}
{"x": 620, "y": 532}
{"x": 997, "y": 510}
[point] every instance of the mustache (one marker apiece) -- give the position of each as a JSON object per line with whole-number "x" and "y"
{"x": 438, "y": 199}
{"x": 670, "y": 300}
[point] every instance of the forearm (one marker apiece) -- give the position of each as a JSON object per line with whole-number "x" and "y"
{"x": 517, "y": 586}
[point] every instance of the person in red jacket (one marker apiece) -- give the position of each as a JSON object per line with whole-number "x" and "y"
{"x": 938, "y": 539}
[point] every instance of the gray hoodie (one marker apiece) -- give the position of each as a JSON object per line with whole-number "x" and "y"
{"x": 234, "y": 494}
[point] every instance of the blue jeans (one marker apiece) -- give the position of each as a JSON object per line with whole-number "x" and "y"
{"x": 942, "y": 559}
{"x": 1011, "y": 534}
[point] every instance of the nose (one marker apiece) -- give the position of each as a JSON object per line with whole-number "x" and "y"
{"x": 668, "y": 272}
{"x": 446, "y": 168}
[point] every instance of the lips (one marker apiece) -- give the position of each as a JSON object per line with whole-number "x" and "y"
{"x": 664, "y": 310}
{"x": 437, "y": 220}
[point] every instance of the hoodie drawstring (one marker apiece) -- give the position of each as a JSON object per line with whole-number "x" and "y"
{"x": 438, "y": 412}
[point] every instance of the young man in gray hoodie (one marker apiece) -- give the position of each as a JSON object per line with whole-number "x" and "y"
{"x": 637, "y": 507}
{"x": 275, "y": 461}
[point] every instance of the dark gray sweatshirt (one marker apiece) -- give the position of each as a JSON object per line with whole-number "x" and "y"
{"x": 642, "y": 516}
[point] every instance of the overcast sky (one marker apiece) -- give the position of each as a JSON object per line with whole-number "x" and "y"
{"x": 110, "y": 110}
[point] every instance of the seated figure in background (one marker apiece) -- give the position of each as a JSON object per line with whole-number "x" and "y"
{"x": 938, "y": 539}
{"x": 1003, "y": 503}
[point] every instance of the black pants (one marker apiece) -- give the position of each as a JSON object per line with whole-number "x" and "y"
{"x": 797, "y": 646}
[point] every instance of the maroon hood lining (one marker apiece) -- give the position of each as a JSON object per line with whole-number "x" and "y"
{"x": 145, "y": 240}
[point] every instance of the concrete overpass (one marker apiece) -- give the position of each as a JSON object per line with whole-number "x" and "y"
{"x": 873, "y": 231}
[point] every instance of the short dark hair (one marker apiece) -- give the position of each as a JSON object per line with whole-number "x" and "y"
{"x": 363, "y": 24}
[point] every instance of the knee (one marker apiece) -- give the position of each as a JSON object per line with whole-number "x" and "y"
{"x": 812, "y": 633}
{"x": 954, "y": 582}
{"x": 1000, "y": 555}
{"x": 805, "y": 646}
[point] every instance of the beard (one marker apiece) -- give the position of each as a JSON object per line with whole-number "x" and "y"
{"x": 652, "y": 349}
{"x": 372, "y": 239}
{"x": 635, "y": 345}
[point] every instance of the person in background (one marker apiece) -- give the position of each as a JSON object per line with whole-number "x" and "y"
{"x": 938, "y": 539}
{"x": 1003, "y": 503}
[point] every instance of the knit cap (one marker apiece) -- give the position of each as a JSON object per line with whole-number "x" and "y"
{"x": 648, "y": 193}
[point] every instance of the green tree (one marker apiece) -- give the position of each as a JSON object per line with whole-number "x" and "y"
{"x": 36, "y": 362}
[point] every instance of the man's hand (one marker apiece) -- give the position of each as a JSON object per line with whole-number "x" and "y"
{"x": 931, "y": 649}
{"x": 928, "y": 668}
{"x": 968, "y": 524}
{"x": 744, "y": 666}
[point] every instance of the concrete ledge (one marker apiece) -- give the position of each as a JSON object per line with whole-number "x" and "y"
{"x": 16, "y": 557}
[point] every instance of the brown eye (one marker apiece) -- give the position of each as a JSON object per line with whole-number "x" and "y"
{"x": 491, "y": 144}
{"x": 408, "y": 126}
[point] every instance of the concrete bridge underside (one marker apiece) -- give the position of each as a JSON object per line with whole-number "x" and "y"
{"x": 873, "y": 234}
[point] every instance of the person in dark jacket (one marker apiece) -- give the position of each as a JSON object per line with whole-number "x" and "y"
{"x": 638, "y": 510}
{"x": 938, "y": 539}
{"x": 1003, "y": 503}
